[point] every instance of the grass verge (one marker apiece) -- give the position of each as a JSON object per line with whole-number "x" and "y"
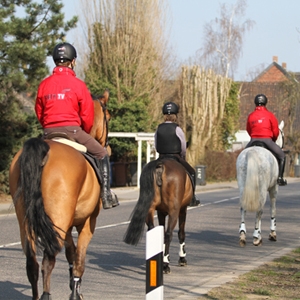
{"x": 278, "y": 279}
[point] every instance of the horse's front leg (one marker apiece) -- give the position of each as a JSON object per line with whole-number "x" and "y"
{"x": 257, "y": 239}
{"x": 181, "y": 237}
{"x": 272, "y": 235}
{"x": 242, "y": 230}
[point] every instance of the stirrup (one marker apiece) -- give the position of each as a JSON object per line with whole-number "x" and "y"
{"x": 194, "y": 201}
{"x": 106, "y": 204}
{"x": 115, "y": 201}
{"x": 281, "y": 181}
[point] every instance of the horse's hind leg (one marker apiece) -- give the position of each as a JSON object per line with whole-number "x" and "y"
{"x": 257, "y": 239}
{"x": 181, "y": 237}
{"x": 85, "y": 234}
{"x": 166, "y": 261}
{"x": 242, "y": 229}
{"x": 272, "y": 235}
{"x": 70, "y": 255}
{"x": 32, "y": 269}
{"x": 48, "y": 264}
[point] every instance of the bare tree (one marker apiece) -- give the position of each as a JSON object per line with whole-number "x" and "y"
{"x": 224, "y": 39}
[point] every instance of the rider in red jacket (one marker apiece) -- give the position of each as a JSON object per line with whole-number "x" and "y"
{"x": 64, "y": 104}
{"x": 64, "y": 100}
{"x": 262, "y": 126}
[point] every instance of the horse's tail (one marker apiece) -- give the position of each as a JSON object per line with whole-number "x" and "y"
{"x": 138, "y": 217}
{"x": 250, "y": 197}
{"x": 39, "y": 227}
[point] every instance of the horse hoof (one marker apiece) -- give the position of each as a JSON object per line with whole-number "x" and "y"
{"x": 166, "y": 269}
{"x": 242, "y": 239}
{"x": 242, "y": 243}
{"x": 46, "y": 296}
{"x": 76, "y": 296}
{"x": 182, "y": 261}
{"x": 257, "y": 241}
{"x": 272, "y": 236}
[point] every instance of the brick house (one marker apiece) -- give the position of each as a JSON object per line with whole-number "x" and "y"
{"x": 268, "y": 82}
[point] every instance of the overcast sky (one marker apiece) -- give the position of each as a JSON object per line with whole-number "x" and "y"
{"x": 274, "y": 34}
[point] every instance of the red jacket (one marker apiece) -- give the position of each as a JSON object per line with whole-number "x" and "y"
{"x": 262, "y": 124}
{"x": 64, "y": 100}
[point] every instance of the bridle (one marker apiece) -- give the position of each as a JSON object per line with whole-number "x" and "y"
{"x": 105, "y": 123}
{"x": 282, "y": 137}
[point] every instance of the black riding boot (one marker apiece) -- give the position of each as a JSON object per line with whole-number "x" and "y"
{"x": 115, "y": 201}
{"x": 194, "y": 201}
{"x": 280, "y": 179}
{"x": 107, "y": 199}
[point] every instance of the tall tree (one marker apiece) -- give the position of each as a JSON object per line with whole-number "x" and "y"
{"x": 224, "y": 38}
{"x": 203, "y": 101}
{"x": 291, "y": 100}
{"x": 128, "y": 54}
{"x": 209, "y": 97}
{"x": 28, "y": 33}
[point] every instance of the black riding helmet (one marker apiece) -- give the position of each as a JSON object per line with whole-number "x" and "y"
{"x": 64, "y": 52}
{"x": 260, "y": 100}
{"x": 170, "y": 108}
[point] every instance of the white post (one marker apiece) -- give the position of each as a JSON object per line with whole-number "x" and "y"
{"x": 154, "y": 263}
{"x": 148, "y": 151}
{"x": 139, "y": 166}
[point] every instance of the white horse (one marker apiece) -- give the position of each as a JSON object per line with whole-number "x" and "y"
{"x": 257, "y": 173}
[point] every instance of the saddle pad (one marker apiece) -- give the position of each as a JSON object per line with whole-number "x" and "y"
{"x": 75, "y": 145}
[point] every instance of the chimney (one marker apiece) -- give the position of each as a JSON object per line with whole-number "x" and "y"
{"x": 275, "y": 59}
{"x": 284, "y": 65}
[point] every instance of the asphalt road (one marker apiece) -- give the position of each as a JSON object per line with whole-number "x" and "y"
{"x": 115, "y": 270}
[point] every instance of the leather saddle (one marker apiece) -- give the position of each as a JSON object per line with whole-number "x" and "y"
{"x": 259, "y": 144}
{"x": 159, "y": 167}
{"x": 62, "y": 137}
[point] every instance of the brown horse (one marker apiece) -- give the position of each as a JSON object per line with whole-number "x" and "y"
{"x": 165, "y": 186}
{"x": 54, "y": 189}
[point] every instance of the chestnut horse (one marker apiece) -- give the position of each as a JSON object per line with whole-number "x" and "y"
{"x": 165, "y": 186}
{"x": 54, "y": 189}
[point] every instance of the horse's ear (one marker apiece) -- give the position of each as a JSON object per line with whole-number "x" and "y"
{"x": 281, "y": 125}
{"x": 104, "y": 98}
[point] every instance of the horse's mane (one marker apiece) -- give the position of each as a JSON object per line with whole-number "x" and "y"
{"x": 96, "y": 97}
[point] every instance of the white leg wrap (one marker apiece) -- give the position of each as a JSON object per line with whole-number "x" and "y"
{"x": 273, "y": 224}
{"x": 256, "y": 233}
{"x": 167, "y": 259}
{"x": 242, "y": 227}
{"x": 182, "y": 252}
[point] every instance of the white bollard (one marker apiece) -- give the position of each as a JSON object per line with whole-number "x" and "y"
{"x": 154, "y": 263}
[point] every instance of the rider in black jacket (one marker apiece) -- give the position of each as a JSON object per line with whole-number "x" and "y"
{"x": 170, "y": 140}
